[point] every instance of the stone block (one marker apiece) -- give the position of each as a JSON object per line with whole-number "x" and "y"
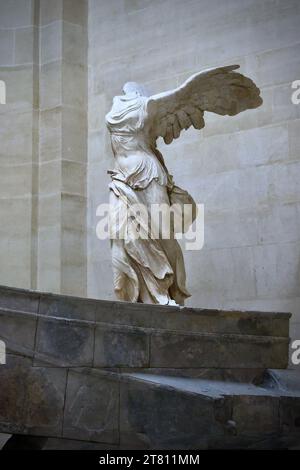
{"x": 96, "y": 112}
{"x": 250, "y": 147}
{"x": 121, "y": 347}
{"x": 276, "y": 268}
{"x": 230, "y": 228}
{"x": 195, "y": 320}
{"x": 73, "y": 252}
{"x": 73, "y": 276}
{"x": 99, "y": 153}
{"x": 279, "y": 183}
{"x": 100, "y": 270}
{"x": 50, "y": 11}
{"x": 260, "y": 146}
{"x": 123, "y": 313}
{"x": 278, "y": 66}
{"x": 31, "y": 399}
{"x": 67, "y": 307}
{"x": 255, "y": 415}
{"x": 18, "y": 299}
{"x": 15, "y": 259}
{"x": 154, "y": 417}
{"x": 279, "y": 223}
{"x": 64, "y": 342}
{"x": 74, "y": 44}
{"x": 289, "y": 412}
{"x": 223, "y": 351}
{"x": 50, "y": 134}
{"x": 50, "y": 179}
{"x": 49, "y": 208}
{"x": 24, "y": 46}
{"x": 223, "y": 274}
{"x": 16, "y": 14}
{"x": 51, "y": 85}
{"x": 92, "y": 407}
{"x": 75, "y": 12}
{"x": 132, "y": 6}
{"x": 18, "y": 331}
{"x": 74, "y": 177}
{"x": 74, "y": 132}
{"x": 73, "y": 211}
{"x": 51, "y": 42}
{"x": 49, "y": 246}
{"x": 74, "y": 85}
{"x": 20, "y": 143}
{"x": 15, "y": 181}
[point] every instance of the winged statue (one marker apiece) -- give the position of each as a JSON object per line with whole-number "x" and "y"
{"x": 151, "y": 269}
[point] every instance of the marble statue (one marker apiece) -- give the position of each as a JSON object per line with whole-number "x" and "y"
{"x": 151, "y": 269}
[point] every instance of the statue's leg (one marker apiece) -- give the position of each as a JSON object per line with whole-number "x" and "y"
{"x": 147, "y": 270}
{"x": 157, "y": 194}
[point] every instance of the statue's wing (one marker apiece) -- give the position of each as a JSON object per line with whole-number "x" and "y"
{"x": 221, "y": 91}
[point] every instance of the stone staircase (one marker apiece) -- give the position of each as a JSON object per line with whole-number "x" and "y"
{"x": 100, "y": 374}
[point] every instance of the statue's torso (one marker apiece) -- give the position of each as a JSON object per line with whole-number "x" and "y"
{"x": 136, "y": 162}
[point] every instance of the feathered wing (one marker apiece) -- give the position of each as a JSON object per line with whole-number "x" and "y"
{"x": 222, "y": 91}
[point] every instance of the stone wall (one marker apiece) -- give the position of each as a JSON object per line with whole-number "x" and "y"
{"x": 43, "y": 134}
{"x": 18, "y": 143}
{"x": 62, "y": 148}
{"x": 244, "y": 169}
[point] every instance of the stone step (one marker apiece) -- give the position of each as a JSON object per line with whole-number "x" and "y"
{"x": 139, "y": 410}
{"x": 67, "y": 343}
{"x": 210, "y": 414}
{"x": 68, "y": 331}
{"x": 193, "y": 320}
{"x": 143, "y": 376}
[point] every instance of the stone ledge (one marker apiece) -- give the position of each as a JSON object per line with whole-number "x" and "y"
{"x": 149, "y": 316}
{"x": 120, "y": 375}
{"x": 66, "y": 342}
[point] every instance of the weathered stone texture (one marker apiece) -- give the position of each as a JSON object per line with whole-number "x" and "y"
{"x": 121, "y": 347}
{"x": 92, "y": 408}
{"x": 156, "y": 418}
{"x": 31, "y": 399}
{"x": 72, "y": 375}
{"x": 64, "y": 342}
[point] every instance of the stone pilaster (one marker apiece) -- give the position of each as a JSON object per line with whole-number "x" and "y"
{"x": 62, "y": 147}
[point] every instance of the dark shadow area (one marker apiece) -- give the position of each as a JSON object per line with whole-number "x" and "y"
{"x": 18, "y": 442}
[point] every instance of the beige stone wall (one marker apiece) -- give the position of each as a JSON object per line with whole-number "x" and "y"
{"x": 244, "y": 169}
{"x": 43, "y": 152}
{"x": 17, "y": 141}
{"x": 61, "y": 257}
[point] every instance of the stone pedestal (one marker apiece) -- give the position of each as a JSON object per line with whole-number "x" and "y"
{"x": 119, "y": 375}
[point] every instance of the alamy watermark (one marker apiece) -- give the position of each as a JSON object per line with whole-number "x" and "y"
{"x": 159, "y": 221}
{"x": 295, "y": 98}
{"x": 296, "y": 352}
